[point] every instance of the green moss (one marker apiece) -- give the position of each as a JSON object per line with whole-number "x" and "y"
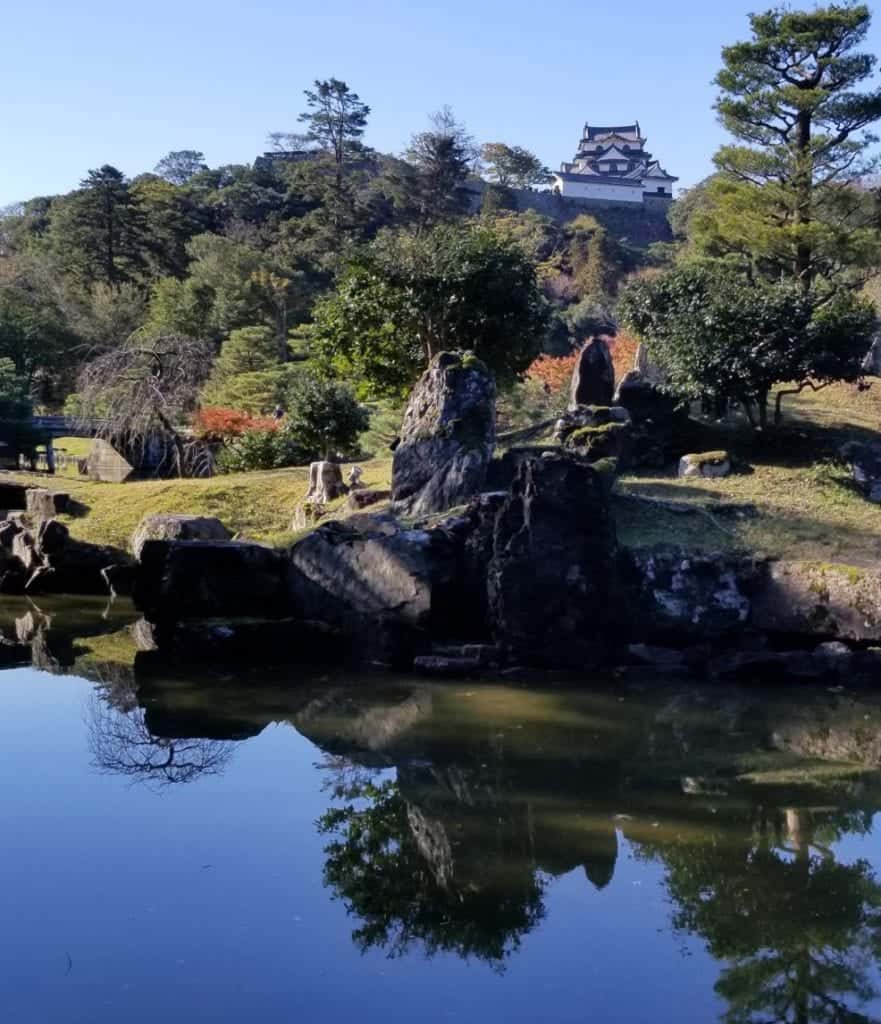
{"x": 584, "y": 437}
{"x": 469, "y": 361}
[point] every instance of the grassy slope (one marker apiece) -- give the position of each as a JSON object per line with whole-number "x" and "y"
{"x": 258, "y": 505}
{"x": 808, "y": 507}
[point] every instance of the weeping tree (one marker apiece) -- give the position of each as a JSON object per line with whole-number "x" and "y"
{"x": 143, "y": 393}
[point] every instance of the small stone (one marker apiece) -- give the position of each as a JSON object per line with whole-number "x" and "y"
{"x": 705, "y": 464}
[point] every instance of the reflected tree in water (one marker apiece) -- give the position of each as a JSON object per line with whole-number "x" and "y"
{"x": 121, "y": 744}
{"x": 394, "y": 868}
{"x": 800, "y": 932}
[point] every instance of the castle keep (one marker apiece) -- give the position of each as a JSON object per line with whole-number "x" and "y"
{"x": 612, "y": 164}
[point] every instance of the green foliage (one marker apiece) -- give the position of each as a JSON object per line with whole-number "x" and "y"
{"x": 98, "y": 233}
{"x": 324, "y": 414}
{"x": 719, "y": 335}
{"x": 35, "y": 339}
{"x": 443, "y": 156}
{"x": 263, "y": 449}
{"x": 336, "y": 118}
{"x": 787, "y": 195}
{"x": 247, "y": 373}
{"x": 180, "y": 165}
{"x": 513, "y": 166}
{"x": 410, "y": 295}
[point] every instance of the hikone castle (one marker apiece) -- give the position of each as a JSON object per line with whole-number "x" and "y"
{"x": 612, "y": 164}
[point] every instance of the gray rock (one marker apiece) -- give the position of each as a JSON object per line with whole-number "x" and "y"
{"x": 447, "y": 437}
{"x": 588, "y": 416}
{"x": 819, "y": 600}
{"x": 593, "y": 380}
{"x": 645, "y": 402}
{"x": 45, "y": 504}
{"x": 669, "y": 591}
{"x": 364, "y": 497}
{"x": 368, "y": 568}
{"x": 864, "y": 459}
{"x": 550, "y": 574}
{"x": 181, "y": 579}
{"x": 173, "y": 526}
{"x": 872, "y": 362}
{"x": 325, "y": 483}
{"x": 705, "y": 464}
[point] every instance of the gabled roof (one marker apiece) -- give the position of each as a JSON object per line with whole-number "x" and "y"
{"x": 613, "y": 153}
{"x": 598, "y": 179}
{"x": 625, "y": 131}
{"x": 654, "y": 170}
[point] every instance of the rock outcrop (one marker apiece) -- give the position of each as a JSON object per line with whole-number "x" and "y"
{"x": 593, "y": 380}
{"x": 190, "y": 579}
{"x": 170, "y": 526}
{"x": 551, "y": 568}
{"x": 387, "y": 587}
{"x": 447, "y": 437}
{"x": 668, "y": 592}
{"x": 819, "y": 600}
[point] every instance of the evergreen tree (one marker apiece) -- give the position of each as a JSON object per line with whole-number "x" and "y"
{"x": 98, "y": 232}
{"x": 443, "y": 155}
{"x": 786, "y": 197}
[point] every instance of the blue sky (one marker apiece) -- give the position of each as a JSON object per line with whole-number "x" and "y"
{"x": 88, "y": 83}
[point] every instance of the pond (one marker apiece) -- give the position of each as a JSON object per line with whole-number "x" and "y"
{"x": 279, "y": 845}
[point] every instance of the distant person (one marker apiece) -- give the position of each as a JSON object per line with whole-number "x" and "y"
{"x": 278, "y": 413}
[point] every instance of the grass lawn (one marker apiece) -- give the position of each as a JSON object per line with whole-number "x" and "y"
{"x": 806, "y": 503}
{"x": 258, "y": 505}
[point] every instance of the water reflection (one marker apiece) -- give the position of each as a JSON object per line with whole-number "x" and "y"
{"x": 121, "y": 744}
{"x": 451, "y": 811}
{"x": 798, "y": 931}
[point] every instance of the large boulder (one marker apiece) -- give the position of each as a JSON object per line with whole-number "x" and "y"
{"x": 593, "y": 380}
{"x": 183, "y": 579}
{"x": 388, "y": 587}
{"x": 821, "y": 600}
{"x": 645, "y": 401}
{"x": 551, "y": 569}
{"x": 447, "y": 437}
{"x": 173, "y": 526}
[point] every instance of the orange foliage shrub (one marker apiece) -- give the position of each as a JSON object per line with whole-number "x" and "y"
{"x": 553, "y": 372}
{"x": 623, "y": 349}
{"x": 219, "y": 423}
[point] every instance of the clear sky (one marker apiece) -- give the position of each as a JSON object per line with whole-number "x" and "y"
{"x": 86, "y": 82}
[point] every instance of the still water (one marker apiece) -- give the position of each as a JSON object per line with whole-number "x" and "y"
{"x": 294, "y": 846}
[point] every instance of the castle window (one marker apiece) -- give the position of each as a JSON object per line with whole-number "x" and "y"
{"x": 661, "y": 189}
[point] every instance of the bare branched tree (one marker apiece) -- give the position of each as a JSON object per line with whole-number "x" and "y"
{"x": 142, "y": 393}
{"x": 121, "y": 744}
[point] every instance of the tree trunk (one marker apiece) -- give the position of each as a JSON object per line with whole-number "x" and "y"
{"x": 804, "y": 182}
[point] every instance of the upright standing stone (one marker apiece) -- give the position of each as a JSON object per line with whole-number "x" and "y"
{"x": 447, "y": 437}
{"x": 593, "y": 381}
{"x": 325, "y": 483}
{"x": 550, "y": 576}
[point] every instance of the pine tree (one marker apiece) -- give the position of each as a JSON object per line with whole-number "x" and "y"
{"x": 787, "y": 196}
